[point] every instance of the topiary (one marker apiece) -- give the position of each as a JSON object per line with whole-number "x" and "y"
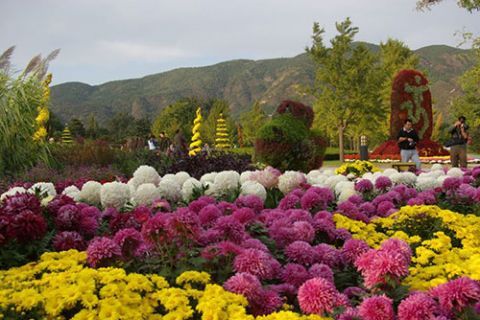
{"x": 297, "y": 110}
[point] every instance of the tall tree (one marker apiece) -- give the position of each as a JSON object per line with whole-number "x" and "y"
{"x": 76, "y": 127}
{"x": 92, "y": 127}
{"x": 179, "y": 115}
{"x": 251, "y": 121}
{"x": 347, "y": 80}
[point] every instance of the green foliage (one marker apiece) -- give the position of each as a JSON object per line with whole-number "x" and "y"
{"x": 76, "y": 127}
{"x": 179, "y": 115}
{"x": 347, "y": 82}
{"x": 283, "y": 128}
{"x": 20, "y": 95}
{"x": 88, "y": 153}
{"x": 123, "y": 125}
{"x": 251, "y": 121}
{"x": 470, "y": 5}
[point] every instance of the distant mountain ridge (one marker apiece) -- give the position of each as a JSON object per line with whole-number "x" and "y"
{"x": 240, "y": 82}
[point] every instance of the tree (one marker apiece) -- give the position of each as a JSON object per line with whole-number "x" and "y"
{"x": 470, "y": 5}
{"x": 54, "y": 125}
{"x": 76, "y": 127}
{"x": 251, "y": 122}
{"x": 92, "y": 127}
{"x": 179, "y": 115}
{"x": 347, "y": 80}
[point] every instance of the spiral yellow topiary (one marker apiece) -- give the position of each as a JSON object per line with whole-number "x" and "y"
{"x": 43, "y": 113}
{"x": 196, "y": 144}
{"x": 222, "y": 140}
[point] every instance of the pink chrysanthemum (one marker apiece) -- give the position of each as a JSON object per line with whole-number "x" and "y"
{"x": 352, "y": 249}
{"x": 67, "y": 217}
{"x": 19, "y": 202}
{"x": 303, "y": 231}
{"x": 254, "y": 244}
{"x": 231, "y": 229}
{"x": 223, "y": 248}
{"x": 364, "y": 186}
{"x": 301, "y": 252}
{"x": 394, "y": 244}
{"x": 384, "y": 207}
{"x": 155, "y": 229}
{"x": 290, "y": 201}
{"x": 198, "y": 205}
{"x": 130, "y": 242}
{"x": 294, "y": 274}
{"x": 320, "y": 270}
{"x": 418, "y": 306}
{"x": 317, "y": 296}
{"x": 250, "y": 201}
{"x": 256, "y": 262}
{"x": 266, "y": 302}
{"x": 349, "y": 314}
{"x": 142, "y": 214}
{"x": 451, "y": 183}
{"x": 376, "y": 308}
{"x": 67, "y": 240}
{"x": 329, "y": 255}
{"x": 209, "y": 214}
{"x": 244, "y": 215}
{"x": 227, "y": 208}
{"x": 267, "y": 177}
{"x": 312, "y": 201}
{"x": 58, "y": 202}
{"x": 383, "y": 183}
{"x": 457, "y": 294}
{"x": 245, "y": 284}
{"x": 102, "y": 251}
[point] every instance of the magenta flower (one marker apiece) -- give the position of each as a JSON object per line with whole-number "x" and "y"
{"x": 67, "y": 240}
{"x": 376, "y": 308}
{"x": 102, "y": 251}
{"x": 352, "y": 249}
{"x": 301, "y": 252}
{"x": 303, "y": 231}
{"x": 364, "y": 186}
{"x": 329, "y": 255}
{"x": 209, "y": 214}
{"x": 19, "y": 202}
{"x": 27, "y": 226}
{"x": 230, "y": 229}
{"x": 384, "y": 207}
{"x": 156, "y": 229}
{"x": 383, "y": 183}
{"x": 258, "y": 263}
{"x": 317, "y": 296}
{"x": 457, "y": 294}
{"x": 245, "y": 284}
{"x": 223, "y": 248}
{"x": 244, "y": 215}
{"x": 418, "y": 306}
{"x": 349, "y": 314}
{"x": 253, "y": 243}
{"x": 294, "y": 274}
{"x": 266, "y": 302}
{"x": 130, "y": 242}
{"x": 250, "y": 201}
{"x": 290, "y": 201}
{"x": 320, "y": 270}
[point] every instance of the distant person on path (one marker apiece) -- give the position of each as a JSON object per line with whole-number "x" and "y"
{"x": 163, "y": 142}
{"x": 458, "y": 144}
{"x": 407, "y": 142}
{"x": 152, "y": 143}
{"x": 179, "y": 143}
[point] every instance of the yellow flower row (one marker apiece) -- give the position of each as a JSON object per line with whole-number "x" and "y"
{"x": 61, "y": 282}
{"x": 358, "y": 168}
{"x": 435, "y": 260}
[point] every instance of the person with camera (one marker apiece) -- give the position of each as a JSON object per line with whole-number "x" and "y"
{"x": 407, "y": 142}
{"x": 458, "y": 143}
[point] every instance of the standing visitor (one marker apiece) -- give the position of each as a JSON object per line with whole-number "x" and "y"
{"x": 163, "y": 142}
{"x": 407, "y": 142}
{"x": 458, "y": 143}
{"x": 179, "y": 143}
{"x": 151, "y": 143}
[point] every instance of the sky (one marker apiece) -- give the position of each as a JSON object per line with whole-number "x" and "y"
{"x": 105, "y": 40}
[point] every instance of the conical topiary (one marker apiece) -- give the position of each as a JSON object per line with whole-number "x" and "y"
{"x": 222, "y": 140}
{"x": 66, "y": 136}
{"x": 196, "y": 144}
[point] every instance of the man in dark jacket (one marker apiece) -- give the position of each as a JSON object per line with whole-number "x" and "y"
{"x": 407, "y": 142}
{"x": 458, "y": 143}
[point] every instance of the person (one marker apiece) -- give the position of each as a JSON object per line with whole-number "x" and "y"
{"x": 458, "y": 144}
{"x": 163, "y": 142}
{"x": 152, "y": 146}
{"x": 407, "y": 142}
{"x": 179, "y": 143}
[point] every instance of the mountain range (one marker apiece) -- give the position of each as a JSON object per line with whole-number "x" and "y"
{"x": 240, "y": 82}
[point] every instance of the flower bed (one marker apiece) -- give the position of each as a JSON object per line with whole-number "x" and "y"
{"x": 368, "y": 245}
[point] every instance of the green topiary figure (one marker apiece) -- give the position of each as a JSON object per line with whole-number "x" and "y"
{"x": 67, "y": 136}
{"x": 287, "y": 143}
{"x": 222, "y": 140}
{"x": 196, "y": 144}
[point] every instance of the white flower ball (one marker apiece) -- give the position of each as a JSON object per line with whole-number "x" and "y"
{"x": 253, "y": 188}
{"x": 45, "y": 188}
{"x": 437, "y": 173}
{"x": 188, "y": 187}
{"x": 90, "y": 192}
{"x": 146, "y": 193}
{"x": 73, "y": 192}
{"x": 345, "y": 194}
{"x": 212, "y": 189}
{"x": 146, "y": 174}
{"x": 227, "y": 180}
{"x": 131, "y": 184}
{"x": 169, "y": 176}
{"x": 13, "y": 191}
{"x": 114, "y": 194}
{"x": 328, "y": 172}
{"x": 436, "y": 166}
{"x": 208, "y": 177}
{"x": 245, "y": 176}
{"x": 389, "y": 172}
{"x": 332, "y": 181}
{"x": 169, "y": 189}
{"x": 455, "y": 172}
{"x": 290, "y": 180}
{"x": 426, "y": 183}
{"x": 344, "y": 185}
{"x": 441, "y": 179}
{"x": 181, "y": 177}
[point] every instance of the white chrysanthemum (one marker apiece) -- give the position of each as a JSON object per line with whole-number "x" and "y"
{"x": 227, "y": 181}
{"x": 114, "y": 194}
{"x": 344, "y": 185}
{"x": 169, "y": 189}
{"x": 132, "y": 186}
{"x": 316, "y": 177}
{"x": 45, "y": 188}
{"x": 13, "y": 191}
{"x": 253, "y": 188}
{"x": 389, "y": 172}
{"x": 245, "y": 176}
{"x": 437, "y": 173}
{"x": 407, "y": 178}
{"x": 328, "y": 172}
{"x": 170, "y": 176}
{"x": 188, "y": 187}
{"x": 73, "y": 192}
{"x": 145, "y": 174}
{"x": 208, "y": 177}
{"x": 441, "y": 179}
{"x": 314, "y": 173}
{"x": 90, "y": 192}
{"x": 146, "y": 193}
{"x": 426, "y": 183}
{"x": 368, "y": 175}
{"x": 332, "y": 181}
{"x": 436, "y": 166}
{"x": 181, "y": 177}
{"x": 290, "y": 180}
{"x": 345, "y": 194}
{"x": 455, "y": 172}
{"x": 212, "y": 189}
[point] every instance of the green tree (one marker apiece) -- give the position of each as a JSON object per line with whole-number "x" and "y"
{"x": 179, "y": 115}
{"x": 347, "y": 81}
{"x": 54, "y": 125}
{"x": 470, "y": 5}
{"x": 92, "y": 127}
{"x": 76, "y": 127}
{"x": 251, "y": 122}
{"x": 121, "y": 126}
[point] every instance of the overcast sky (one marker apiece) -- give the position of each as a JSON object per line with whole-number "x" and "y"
{"x": 104, "y": 40}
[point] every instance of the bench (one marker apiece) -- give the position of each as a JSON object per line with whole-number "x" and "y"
{"x": 403, "y": 166}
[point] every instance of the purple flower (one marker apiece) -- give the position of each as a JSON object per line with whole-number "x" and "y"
{"x": 244, "y": 215}
{"x": 27, "y": 226}
{"x": 294, "y": 274}
{"x": 364, "y": 186}
{"x": 58, "y": 202}
{"x": 352, "y": 249}
{"x": 208, "y": 214}
{"x": 102, "y": 252}
{"x": 320, "y": 270}
{"x": 67, "y": 240}
{"x": 254, "y": 244}
{"x": 230, "y": 229}
{"x": 451, "y": 183}
{"x": 250, "y": 201}
{"x": 156, "y": 229}
{"x": 223, "y": 248}
{"x": 227, "y": 208}
{"x": 356, "y": 199}
{"x": 368, "y": 209}
{"x": 417, "y": 306}
{"x": 19, "y": 202}
{"x": 301, "y": 252}
{"x": 130, "y": 242}
{"x": 329, "y": 255}
{"x": 198, "y": 205}
{"x": 384, "y": 207}
{"x": 383, "y": 183}
{"x": 376, "y": 308}
{"x": 304, "y": 231}
{"x": 258, "y": 263}
{"x": 290, "y": 201}
{"x": 243, "y": 283}
{"x": 266, "y": 302}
